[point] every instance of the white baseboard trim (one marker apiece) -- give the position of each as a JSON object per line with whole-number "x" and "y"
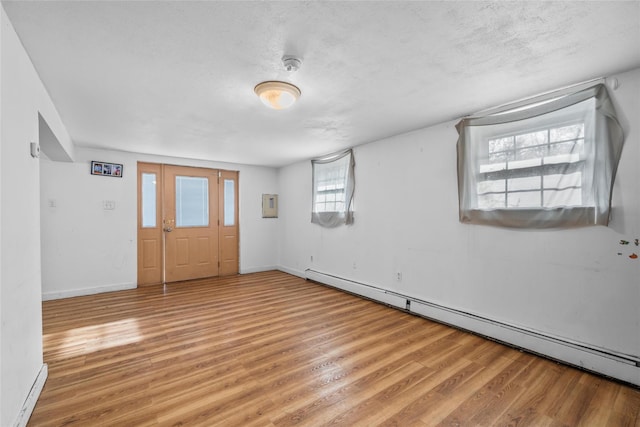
{"x": 32, "y": 398}
{"x": 292, "y": 271}
{"x": 258, "y": 269}
{"x": 586, "y": 356}
{"x": 357, "y": 288}
{"x": 46, "y": 296}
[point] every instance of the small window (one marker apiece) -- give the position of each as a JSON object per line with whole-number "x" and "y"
{"x": 192, "y": 201}
{"x": 550, "y": 165}
{"x": 541, "y": 168}
{"x": 333, "y": 185}
{"x": 149, "y": 200}
{"x": 229, "y": 203}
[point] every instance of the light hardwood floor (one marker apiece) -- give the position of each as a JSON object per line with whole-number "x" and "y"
{"x": 270, "y": 349}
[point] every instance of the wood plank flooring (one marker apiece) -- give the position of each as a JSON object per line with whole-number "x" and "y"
{"x": 270, "y": 349}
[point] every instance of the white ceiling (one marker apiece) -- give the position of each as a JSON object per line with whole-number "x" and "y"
{"x": 177, "y": 78}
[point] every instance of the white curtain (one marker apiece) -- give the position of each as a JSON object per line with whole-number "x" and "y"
{"x": 333, "y": 186}
{"x": 549, "y": 165}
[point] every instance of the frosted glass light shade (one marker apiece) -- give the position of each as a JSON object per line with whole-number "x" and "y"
{"x": 277, "y": 95}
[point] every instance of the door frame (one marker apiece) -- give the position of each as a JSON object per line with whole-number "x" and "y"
{"x": 151, "y": 262}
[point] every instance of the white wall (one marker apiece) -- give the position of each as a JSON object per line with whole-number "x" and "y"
{"x": 23, "y": 97}
{"x": 569, "y": 284}
{"x": 86, "y": 249}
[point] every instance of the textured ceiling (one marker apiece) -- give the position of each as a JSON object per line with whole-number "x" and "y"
{"x": 177, "y": 78}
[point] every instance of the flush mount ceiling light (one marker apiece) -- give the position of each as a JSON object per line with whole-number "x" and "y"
{"x": 277, "y": 95}
{"x": 280, "y": 95}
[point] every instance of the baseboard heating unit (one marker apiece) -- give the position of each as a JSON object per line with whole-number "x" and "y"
{"x": 606, "y": 362}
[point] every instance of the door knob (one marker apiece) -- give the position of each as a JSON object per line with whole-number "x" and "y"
{"x": 167, "y": 225}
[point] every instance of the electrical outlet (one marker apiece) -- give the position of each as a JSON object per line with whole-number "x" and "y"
{"x": 108, "y": 205}
{"x": 399, "y": 276}
{"x": 311, "y": 258}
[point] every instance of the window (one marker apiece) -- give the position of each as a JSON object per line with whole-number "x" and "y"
{"x": 229, "y": 203}
{"x": 333, "y": 184}
{"x": 540, "y": 168}
{"x": 149, "y": 200}
{"x": 550, "y": 165}
{"x": 192, "y": 201}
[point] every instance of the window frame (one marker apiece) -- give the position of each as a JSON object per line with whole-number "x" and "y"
{"x": 541, "y": 170}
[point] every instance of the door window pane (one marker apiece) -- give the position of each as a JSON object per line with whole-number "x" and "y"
{"x": 148, "y": 200}
{"x": 229, "y": 202}
{"x": 192, "y": 201}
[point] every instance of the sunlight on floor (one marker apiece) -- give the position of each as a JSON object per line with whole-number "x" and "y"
{"x": 89, "y": 339}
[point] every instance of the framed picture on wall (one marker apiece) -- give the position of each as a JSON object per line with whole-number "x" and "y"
{"x": 106, "y": 169}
